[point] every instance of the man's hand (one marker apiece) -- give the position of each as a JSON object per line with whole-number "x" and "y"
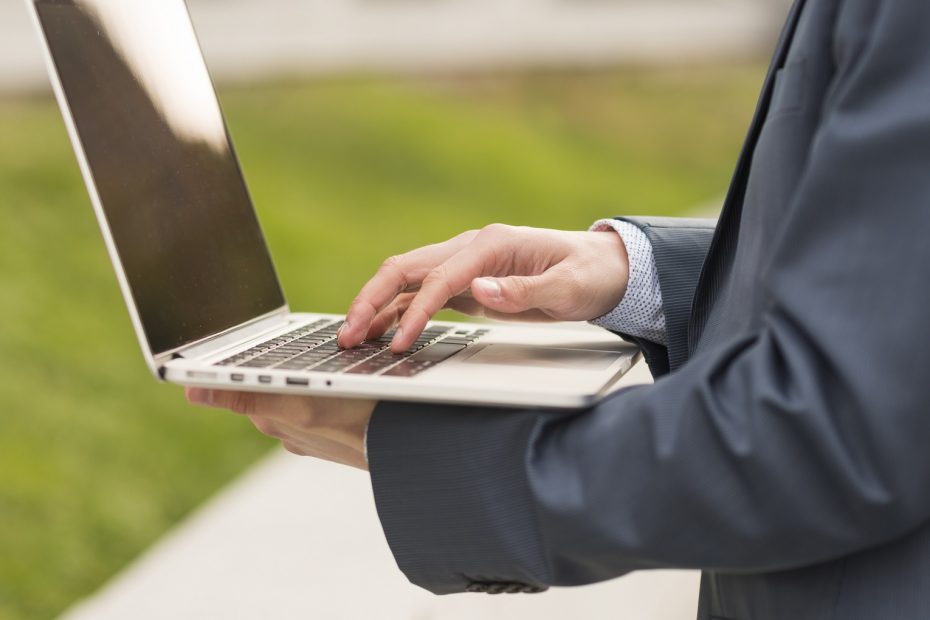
{"x": 325, "y": 428}
{"x": 501, "y": 272}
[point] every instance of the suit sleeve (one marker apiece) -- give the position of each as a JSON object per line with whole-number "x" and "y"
{"x": 802, "y": 442}
{"x": 679, "y": 247}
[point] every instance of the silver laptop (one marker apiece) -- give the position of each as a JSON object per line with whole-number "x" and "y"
{"x": 191, "y": 259}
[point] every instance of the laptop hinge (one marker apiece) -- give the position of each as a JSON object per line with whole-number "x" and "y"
{"x": 234, "y": 338}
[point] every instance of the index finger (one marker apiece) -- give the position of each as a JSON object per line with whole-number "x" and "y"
{"x": 395, "y": 276}
{"x": 443, "y": 283}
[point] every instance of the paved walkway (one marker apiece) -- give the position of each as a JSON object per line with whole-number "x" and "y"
{"x": 247, "y": 38}
{"x": 297, "y": 538}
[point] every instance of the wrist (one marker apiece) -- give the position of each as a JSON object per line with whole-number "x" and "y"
{"x": 640, "y": 311}
{"x": 614, "y": 265}
{"x": 345, "y": 423}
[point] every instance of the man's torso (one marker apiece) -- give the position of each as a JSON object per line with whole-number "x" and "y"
{"x": 886, "y": 583}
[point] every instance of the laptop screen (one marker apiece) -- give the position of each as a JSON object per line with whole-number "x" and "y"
{"x": 170, "y": 186}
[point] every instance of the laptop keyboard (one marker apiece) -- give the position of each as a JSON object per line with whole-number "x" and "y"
{"x": 313, "y": 348}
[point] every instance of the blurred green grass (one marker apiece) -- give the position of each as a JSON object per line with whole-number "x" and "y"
{"x": 97, "y": 459}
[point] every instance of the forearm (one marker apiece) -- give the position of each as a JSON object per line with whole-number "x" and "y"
{"x": 734, "y": 463}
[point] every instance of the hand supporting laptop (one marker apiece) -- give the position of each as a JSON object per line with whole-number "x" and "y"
{"x": 500, "y": 272}
{"x": 326, "y": 428}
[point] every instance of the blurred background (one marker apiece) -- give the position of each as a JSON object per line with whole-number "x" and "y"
{"x": 365, "y": 128}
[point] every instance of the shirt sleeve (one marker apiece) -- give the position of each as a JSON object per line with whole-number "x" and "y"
{"x": 640, "y": 312}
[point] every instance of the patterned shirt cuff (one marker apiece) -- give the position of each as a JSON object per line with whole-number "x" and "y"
{"x": 640, "y": 312}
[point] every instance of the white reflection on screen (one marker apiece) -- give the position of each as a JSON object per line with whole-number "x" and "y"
{"x": 156, "y": 41}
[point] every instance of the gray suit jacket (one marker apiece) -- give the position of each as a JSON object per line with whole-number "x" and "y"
{"x": 785, "y": 446}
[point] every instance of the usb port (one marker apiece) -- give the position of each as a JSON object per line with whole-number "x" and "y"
{"x": 264, "y": 379}
{"x": 297, "y": 381}
{"x": 201, "y": 374}
{"x": 238, "y": 378}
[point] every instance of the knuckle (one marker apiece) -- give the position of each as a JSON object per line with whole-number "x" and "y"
{"x": 468, "y": 236}
{"x": 497, "y": 244}
{"x": 391, "y": 262}
{"x": 439, "y": 278}
{"x": 394, "y": 265}
{"x": 436, "y": 274}
{"x": 496, "y": 229}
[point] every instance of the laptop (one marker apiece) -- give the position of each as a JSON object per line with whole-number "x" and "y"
{"x": 192, "y": 261}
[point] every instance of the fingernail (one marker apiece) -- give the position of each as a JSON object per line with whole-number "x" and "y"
{"x": 342, "y": 329}
{"x": 398, "y": 336}
{"x": 489, "y": 287}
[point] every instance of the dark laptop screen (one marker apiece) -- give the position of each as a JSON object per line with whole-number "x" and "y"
{"x": 156, "y": 143}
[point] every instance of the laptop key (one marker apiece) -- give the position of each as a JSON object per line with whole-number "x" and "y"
{"x": 409, "y": 368}
{"x": 335, "y": 366}
{"x": 292, "y": 365}
{"x": 258, "y": 362}
{"x": 456, "y": 340}
{"x": 424, "y": 360}
{"x": 314, "y": 347}
{"x": 376, "y": 364}
{"x": 438, "y": 352}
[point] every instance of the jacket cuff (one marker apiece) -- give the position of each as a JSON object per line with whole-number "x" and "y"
{"x": 448, "y": 528}
{"x": 680, "y": 247}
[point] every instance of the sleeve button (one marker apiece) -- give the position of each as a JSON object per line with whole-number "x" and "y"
{"x": 502, "y": 588}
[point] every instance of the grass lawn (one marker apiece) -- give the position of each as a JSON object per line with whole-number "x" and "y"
{"x": 97, "y": 460}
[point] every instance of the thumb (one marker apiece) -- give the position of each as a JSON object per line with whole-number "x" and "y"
{"x": 512, "y": 294}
